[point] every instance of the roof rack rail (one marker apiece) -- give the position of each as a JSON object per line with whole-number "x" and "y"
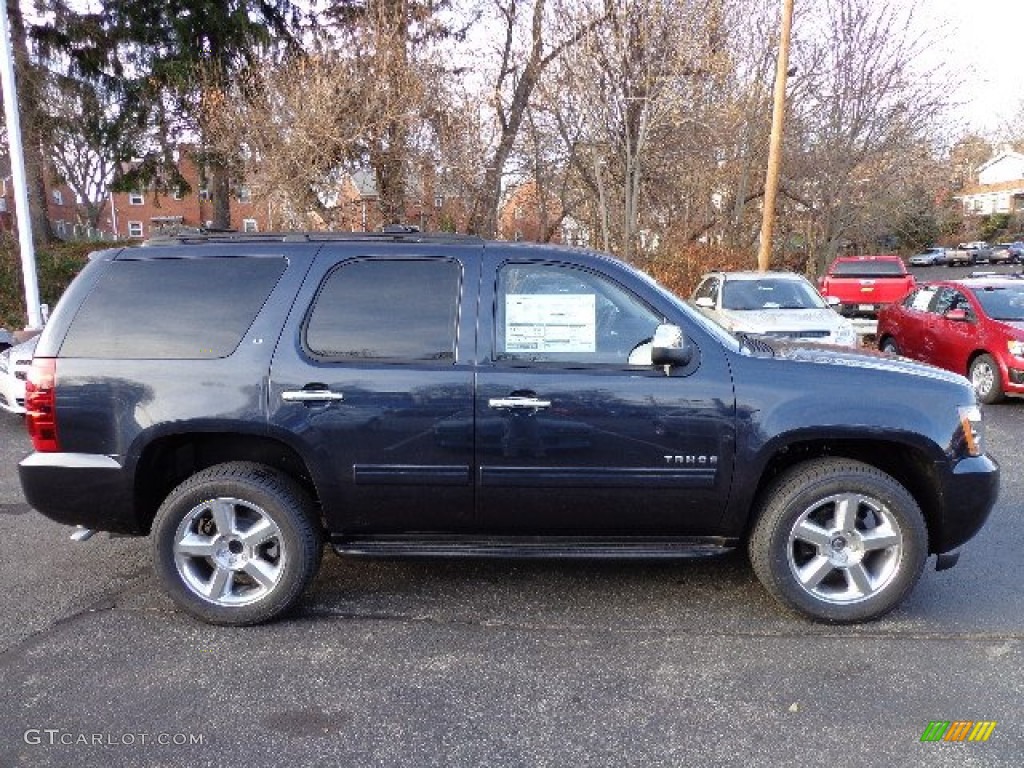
{"x": 391, "y": 232}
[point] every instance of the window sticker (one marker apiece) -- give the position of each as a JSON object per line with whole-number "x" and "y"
{"x": 923, "y": 299}
{"x": 538, "y": 322}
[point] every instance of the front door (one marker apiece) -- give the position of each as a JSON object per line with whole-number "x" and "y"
{"x": 576, "y": 432}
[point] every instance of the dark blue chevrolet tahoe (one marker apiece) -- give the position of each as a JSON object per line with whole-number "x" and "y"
{"x": 243, "y": 399}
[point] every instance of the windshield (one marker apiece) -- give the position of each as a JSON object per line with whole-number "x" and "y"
{"x": 769, "y": 293}
{"x": 1002, "y": 302}
{"x": 707, "y": 325}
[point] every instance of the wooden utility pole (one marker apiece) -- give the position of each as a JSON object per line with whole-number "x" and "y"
{"x": 771, "y": 181}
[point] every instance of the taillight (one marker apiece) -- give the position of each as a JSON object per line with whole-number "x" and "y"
{"x": 41, "y": 404}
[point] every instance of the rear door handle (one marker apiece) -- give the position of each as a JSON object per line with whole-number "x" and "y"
{"x": 311, "y": 396}
{"x": 519, "y": 403}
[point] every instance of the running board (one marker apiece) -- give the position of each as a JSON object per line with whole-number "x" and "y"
{"x": 533, "y": 547}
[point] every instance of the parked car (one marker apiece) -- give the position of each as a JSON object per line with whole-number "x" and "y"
{"x": 14, "y": 365}
{"x": 863, "y": 284}
{"x": 973, "y": 326}
{"x": 1013, "y": 252}
{"x": 1000, "y": 254}
{"x": 411, "y": 394}
{"x": 968, "y": 254}
{"x": 781, "y": 305}
{"x": 929, "y": 257}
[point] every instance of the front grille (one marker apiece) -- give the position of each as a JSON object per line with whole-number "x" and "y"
{"x": 21, "y": 375}
{"x": 799, "y": 334}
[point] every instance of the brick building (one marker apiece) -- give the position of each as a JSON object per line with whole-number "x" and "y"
{"x": 522, "y": 217}
{"x": 62, "y": 208}
{"x": 142, "y": 213}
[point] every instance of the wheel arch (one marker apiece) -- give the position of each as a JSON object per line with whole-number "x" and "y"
{"x": 909, "y": 465}
{"x": 167, "y": 461}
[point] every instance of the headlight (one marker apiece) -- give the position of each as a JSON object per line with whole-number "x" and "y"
{"x": 1016, "y": 347}
{"x": 973, "y": 430}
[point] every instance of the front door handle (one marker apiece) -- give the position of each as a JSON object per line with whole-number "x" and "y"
{"x": 519, "y": 403}
{"x": 311, "y": 396}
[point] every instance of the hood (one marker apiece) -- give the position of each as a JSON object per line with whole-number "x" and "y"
{"x": 862, "y": 358}
{"x": 768, "y": 320}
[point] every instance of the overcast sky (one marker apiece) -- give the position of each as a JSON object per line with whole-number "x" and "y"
{"x": 985, "y": 41}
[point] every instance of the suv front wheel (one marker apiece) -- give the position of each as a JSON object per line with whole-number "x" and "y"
{"x": 839, "y": 541}
{"x": 236, "y": 543}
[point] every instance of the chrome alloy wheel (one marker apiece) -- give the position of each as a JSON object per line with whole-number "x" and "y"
{"x": 845, "y": 548}
{"x": 983, "y": 378}
{"x": 229, "y": 552}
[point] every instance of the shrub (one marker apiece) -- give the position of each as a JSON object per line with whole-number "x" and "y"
{"x": 56, "y": 265}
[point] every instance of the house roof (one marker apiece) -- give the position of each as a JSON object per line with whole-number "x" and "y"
{"x": 1006, "y": 154}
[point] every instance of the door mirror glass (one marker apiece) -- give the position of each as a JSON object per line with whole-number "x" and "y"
{"x": 670, "y": 346}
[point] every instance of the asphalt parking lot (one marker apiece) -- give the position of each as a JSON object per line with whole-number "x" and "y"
{"x": 473, "y": 663}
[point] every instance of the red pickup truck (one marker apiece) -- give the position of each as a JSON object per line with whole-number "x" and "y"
{"x": 862, "y": 284}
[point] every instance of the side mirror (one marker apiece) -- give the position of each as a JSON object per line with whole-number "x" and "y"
{"x": 705, "y": 302}
{"x": 670, "y": 346}
{"x": 957, "y": 315}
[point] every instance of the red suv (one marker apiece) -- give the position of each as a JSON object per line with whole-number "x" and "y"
{"x": 973, "y": 326}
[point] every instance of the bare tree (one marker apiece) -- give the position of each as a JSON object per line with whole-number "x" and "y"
{"x": 525, "y": 50}
{"x": 641, "y": 83}
{"x": 299, "y": 125}
{"x": 865, "y": 108}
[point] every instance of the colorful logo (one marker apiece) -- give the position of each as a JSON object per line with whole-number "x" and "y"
{"x": 958, "y": 730}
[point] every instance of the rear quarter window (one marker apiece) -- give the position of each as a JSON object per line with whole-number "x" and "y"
{"x": 868, "y": 269}
{"x": 172, "y": 308}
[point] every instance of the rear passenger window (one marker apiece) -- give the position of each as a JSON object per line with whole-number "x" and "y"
{"x": 200, "y": 308}
{"x": 387, "y": 309}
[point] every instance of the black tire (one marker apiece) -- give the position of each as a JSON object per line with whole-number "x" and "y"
{"x": 838, "y": 541}
{"x": 889, "y": 346}
{"x": 236, "y": 544}
{"x": 987, "y": 379}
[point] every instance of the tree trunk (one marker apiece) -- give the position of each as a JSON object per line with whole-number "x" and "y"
{"x": 220, "y": 195}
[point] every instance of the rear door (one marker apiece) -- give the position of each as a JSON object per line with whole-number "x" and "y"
{"x": 576, "y": 432}
{"x": 373, "y": 379}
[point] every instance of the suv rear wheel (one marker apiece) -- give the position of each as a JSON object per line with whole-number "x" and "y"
{"x": 839, "y": 541}
{"x": 236, "y": 543}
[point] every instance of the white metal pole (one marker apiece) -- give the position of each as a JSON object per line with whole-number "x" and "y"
{"x": 113, "y": 214}
{"x": 28, "y": 254}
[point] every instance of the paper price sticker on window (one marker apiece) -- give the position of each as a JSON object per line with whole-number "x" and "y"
{"x": 537, "y": 322}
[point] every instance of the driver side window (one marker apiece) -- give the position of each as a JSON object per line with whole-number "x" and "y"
{"x": 550, "y": 313}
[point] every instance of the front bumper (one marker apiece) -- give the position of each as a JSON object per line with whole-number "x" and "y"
{"x": 968, "y": 493}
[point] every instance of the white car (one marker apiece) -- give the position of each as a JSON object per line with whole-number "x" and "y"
{"x": 14, "y": 365}
{"x": 777, "y": 304}
{"x": 929, "y": 257}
